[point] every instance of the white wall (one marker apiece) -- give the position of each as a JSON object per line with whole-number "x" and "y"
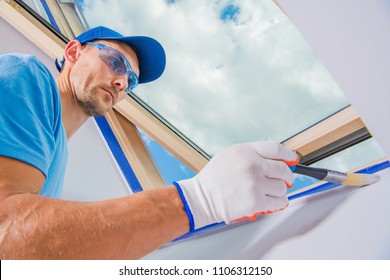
{"x": 92, "y": 173}
{"x": 13, "y": 41}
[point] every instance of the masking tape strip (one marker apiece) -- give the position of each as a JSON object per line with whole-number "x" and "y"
{"x": 118, "y": 154}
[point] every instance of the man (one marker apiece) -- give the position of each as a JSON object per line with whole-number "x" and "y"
{"x": 38, "y": 115}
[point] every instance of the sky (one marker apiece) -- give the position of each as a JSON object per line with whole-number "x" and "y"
{"x": 237, "y": 71}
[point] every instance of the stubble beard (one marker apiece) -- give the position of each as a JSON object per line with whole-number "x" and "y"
{"x": 90, "y": 104}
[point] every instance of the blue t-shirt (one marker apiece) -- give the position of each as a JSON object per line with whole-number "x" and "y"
{"x": 31, "y": 128}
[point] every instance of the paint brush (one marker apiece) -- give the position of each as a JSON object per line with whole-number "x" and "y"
{"x": 348, "y": 179}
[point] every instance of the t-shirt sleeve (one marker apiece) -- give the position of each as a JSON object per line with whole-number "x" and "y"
{"x": 27, "y": 111}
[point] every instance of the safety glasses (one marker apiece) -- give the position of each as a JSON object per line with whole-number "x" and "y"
{"x": 118, "y": 63}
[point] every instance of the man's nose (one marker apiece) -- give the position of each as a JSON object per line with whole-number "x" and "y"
{"x": 120, "y": 82}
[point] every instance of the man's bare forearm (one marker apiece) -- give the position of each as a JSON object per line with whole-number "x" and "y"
{"x": 35, "y": 227}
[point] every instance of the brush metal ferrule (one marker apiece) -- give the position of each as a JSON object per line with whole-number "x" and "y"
{"x": 335, "y": 177}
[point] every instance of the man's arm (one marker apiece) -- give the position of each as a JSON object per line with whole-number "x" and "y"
{"x": 240, "y": 182}
{"x": 36, "y": 227}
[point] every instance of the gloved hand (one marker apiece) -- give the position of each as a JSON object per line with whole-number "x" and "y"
{"x": 239, "y": 182}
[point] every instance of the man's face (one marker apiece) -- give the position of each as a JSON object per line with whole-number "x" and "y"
{"x": 96, "y": 87}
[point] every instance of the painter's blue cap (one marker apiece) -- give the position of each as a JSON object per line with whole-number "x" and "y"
{"x": 150, "y": 53}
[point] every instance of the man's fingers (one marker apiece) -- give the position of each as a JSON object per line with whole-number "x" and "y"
{"x": 274, "y": 150}
{"x": 280, "y": 171}
{"x": 275, "y": 188}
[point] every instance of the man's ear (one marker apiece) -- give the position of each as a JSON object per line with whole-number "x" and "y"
{"x": 72, "y": 51}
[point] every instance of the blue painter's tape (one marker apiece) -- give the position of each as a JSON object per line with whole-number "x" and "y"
{"x": 320, "y": 188}
{"x": 119, "y": 156}
{"x": 202, "y": 230}
{"x": 375, "y": 168}
{"x": 50, "y": 15}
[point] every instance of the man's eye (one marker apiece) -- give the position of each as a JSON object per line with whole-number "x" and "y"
{"x": 115, "y": 63}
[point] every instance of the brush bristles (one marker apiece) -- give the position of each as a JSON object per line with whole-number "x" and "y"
{"x": 356, "y": 179}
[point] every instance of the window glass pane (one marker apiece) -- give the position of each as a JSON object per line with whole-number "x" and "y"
{"x": 170, "y": 168}
{"x": 36, "y": 5}
{"x": 237, "y": 71}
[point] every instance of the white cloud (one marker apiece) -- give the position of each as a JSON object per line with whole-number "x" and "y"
{"x": 226, "y": 82}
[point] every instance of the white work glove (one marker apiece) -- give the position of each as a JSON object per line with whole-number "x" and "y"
{"x": 238, "y": 183}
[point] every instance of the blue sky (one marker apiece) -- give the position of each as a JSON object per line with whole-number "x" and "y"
{"x": 171, "y": 169}
{"x": 230, "y": 12}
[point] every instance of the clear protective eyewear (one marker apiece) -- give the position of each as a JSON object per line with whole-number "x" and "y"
{"x": 118, "y": 63}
